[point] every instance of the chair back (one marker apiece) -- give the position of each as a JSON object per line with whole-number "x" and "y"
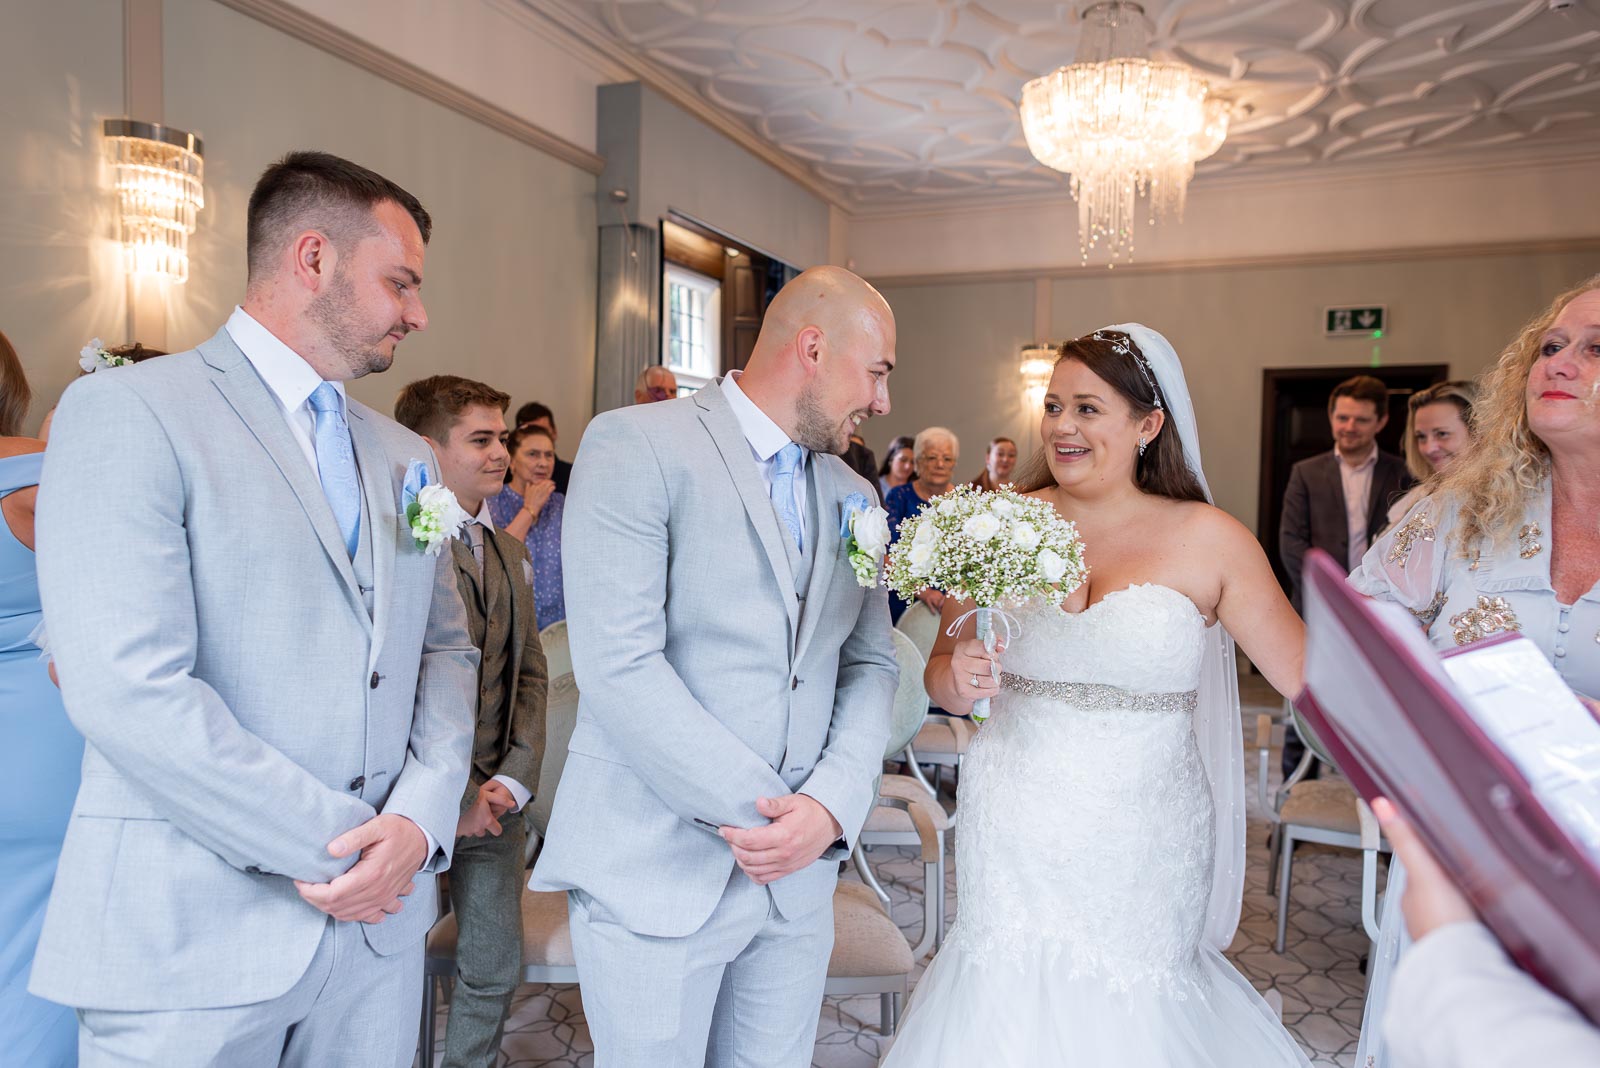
{"x": 557, "y": 653}
{"x": 921, "y": 624}
{"x": 910, "y": 699}
{"x": 561, "y": 716}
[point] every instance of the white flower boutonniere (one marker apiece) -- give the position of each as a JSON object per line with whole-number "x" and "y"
{"x": 865, "y": 531}
{"x": 93, "y": 356}
{"x": 432, "y": 510}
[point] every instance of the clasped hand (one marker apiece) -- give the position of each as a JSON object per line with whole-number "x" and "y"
{"x": 801, "y": 831}
{"x": 393, "y": 850}
{"x": 483, "y": 817}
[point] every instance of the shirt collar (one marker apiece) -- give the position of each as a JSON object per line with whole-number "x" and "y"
{"x": 765, "y": 436}
{"x": 483, "y": 515}
{"x": 1370, "y": 461}
{"x": 291, "y": 379}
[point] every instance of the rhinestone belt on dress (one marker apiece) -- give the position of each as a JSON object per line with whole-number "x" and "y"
{"x": 1094, "y": 697}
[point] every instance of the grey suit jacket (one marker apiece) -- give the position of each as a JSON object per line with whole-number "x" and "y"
{"x": 242, "y": 708}
{"x": 704, "y": 682}
{"x": 1314, "y": 514}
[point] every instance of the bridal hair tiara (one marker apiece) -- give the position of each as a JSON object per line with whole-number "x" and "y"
{"x": 1120, "y": 344}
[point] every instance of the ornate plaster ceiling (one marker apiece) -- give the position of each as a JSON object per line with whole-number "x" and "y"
{"x": 892, "y": 101}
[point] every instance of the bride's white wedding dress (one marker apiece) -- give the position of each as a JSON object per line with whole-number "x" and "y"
{"x": 1084, "y": 847}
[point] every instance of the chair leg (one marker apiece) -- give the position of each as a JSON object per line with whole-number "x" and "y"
{"x": 899, "y": 1006}
{"x": 1275, "y": 853}
{"x": 886, "y": 1013}
{"x": 864, "y": 870}
{"x": 429, "y": 1007}
{"x": 1283, "y": 890}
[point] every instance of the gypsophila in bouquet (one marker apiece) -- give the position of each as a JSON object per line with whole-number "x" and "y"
{"x": 995, "y": 549}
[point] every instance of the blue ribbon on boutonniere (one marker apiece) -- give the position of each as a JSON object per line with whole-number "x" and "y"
{"x": 856, "y": 502}
{"x": 416, "y": 479}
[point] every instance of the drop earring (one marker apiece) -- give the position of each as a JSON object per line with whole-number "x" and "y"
{"x": 1142, "y": 445}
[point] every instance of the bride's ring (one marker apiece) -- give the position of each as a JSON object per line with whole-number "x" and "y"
{"x": 974, "y": 682}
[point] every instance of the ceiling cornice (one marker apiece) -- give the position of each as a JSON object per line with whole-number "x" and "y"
{"x": 291, "y": 20}
{"x": 1304, "y": 259}
{"x": 579, "y": 31}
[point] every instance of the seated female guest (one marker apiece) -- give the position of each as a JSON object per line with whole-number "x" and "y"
{"x": 1505, "y": 538}
{"x": 936, "y": 451}
{"x": 898, "y": 466}
{"x": 40, "y": 752}
{"x": 1438, "y": 426}
{"x": 998, "y": 463}
{"x": 530, "y": 508}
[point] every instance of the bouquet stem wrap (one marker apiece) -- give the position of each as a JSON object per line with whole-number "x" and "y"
{"x": 990, "y": 639}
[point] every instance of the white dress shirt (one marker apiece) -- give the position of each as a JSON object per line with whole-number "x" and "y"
{"x": 289, "y": 378}
{"x": 291, "y": 381}
{"x": 1357, "y": 482}
{"x": 476, "y": 533}
{"x": 766, "y": 439}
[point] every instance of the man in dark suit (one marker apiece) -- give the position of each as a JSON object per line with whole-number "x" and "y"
{"x": 540, "y": 415}
{"x": 1338, "y": 501}
{"x": 464, "y": 421}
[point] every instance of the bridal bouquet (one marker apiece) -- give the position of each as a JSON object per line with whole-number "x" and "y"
{"x": 992, "y": 548}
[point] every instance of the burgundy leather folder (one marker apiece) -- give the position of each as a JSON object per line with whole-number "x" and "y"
{"x": 1398, "y": 728}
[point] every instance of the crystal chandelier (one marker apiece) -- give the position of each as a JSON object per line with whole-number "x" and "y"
{"x": 1122, "y": 126}
{"x": 156, "y": 172}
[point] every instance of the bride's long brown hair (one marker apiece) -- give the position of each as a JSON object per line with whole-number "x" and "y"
{"x": 1162, "y": 470}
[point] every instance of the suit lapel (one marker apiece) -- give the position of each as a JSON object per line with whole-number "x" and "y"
{"x": 825, "y": 553}
{"x": 496, "y": 591}
{"x": 467, "y": 566}
{"x": 730, "y": 441}
{"x": 1337, "y": 478}
{"x": 382, "y": 511}
{"x": 263, "y": 416}
{"x": 1377, "y": 511}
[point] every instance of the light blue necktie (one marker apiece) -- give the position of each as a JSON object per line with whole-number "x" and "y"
{"x": 336, "y": 464}
{"x": 785, "y": 468}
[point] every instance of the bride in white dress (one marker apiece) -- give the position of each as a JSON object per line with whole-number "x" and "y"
{"x": 1100, "y": 839}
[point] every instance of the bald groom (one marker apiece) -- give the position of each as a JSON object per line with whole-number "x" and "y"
{"x": 736, "y": 690}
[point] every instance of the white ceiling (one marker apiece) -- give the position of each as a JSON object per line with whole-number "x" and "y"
{"x": 892, "y": 103}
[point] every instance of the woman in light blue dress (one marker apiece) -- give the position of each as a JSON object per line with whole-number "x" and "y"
{"x": 1507, "y": 540}
{"x": 40, "y": 754}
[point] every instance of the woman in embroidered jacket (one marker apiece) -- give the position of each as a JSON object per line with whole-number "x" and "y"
{"x": 1507, "y": 538}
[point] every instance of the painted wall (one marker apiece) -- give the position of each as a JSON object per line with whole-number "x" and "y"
{"x": 958, "y": 342}
{"x": 61, "y": 279}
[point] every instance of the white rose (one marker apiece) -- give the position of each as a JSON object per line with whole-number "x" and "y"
{"x": 921, "y": 558}
{"x": 1003, "y": 508}
{"x": 871, "y": 528}
{"x": 1025, "y": 534}
{"x": 948, "y": 506}
{"x": 1051, "y": 565}
{"x": 981, "y": 527}
{"x": 927, "y": 534}
{"x": 436, "y": 496}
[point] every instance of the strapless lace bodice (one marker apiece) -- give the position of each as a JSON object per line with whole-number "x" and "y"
{"x": 1084, "y": 846}
{"x": 1144, "y": 639}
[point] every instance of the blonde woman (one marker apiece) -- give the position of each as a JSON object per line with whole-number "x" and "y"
{"x": 1506, "y": 539}
{"x": 936, "y": 451}
{"x": 1438, "y": 429}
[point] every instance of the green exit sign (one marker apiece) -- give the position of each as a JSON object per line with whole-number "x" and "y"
{"x": 1355, "y": 322}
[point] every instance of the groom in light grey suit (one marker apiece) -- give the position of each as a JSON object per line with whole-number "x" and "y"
{"x": 276, "y": 686}
{"x": 736, "y": 689}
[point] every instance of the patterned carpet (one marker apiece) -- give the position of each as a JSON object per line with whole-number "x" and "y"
{"x": 1318, "y": 976}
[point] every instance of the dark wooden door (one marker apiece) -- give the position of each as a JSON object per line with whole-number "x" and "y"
{"x": 744, "y": 302}
{"x": 1294, "y": 427}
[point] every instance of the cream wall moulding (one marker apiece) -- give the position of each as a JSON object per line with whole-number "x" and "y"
{"x": 157, "y": 174}
{"x": 1122, "y": 126}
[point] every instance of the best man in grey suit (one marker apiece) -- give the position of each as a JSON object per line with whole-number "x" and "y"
{"x": 276, "y": 685}
{"x": 736, "y": 689}
{"x": 465, "y": 423}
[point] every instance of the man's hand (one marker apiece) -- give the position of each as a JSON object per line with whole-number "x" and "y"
{"x": 801, "y": 831}
{"x": 392, "y": 849}
{"x": 499, "y": 795}
{"x": 1431, "y": 900}
{"x": 480, "y": 819}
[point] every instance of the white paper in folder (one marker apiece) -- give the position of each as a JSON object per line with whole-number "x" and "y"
{"x": 1521, "y": 702}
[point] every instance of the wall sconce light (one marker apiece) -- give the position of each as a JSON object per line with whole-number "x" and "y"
{"x": 1038, "y": 360}
{"x": 156, "y": 172}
